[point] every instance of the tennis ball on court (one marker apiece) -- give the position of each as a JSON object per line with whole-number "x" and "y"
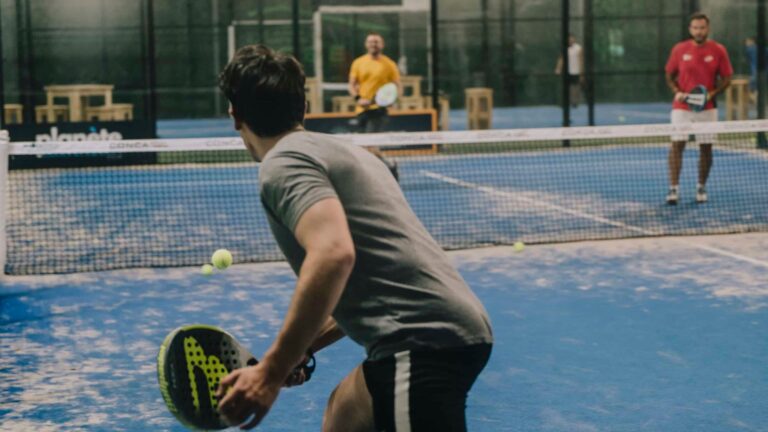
{"x": 622, "y": 119}
{"x": 222, "y": 259}
{"x": 206, "y": 270}
{"x": 519, "y": 246}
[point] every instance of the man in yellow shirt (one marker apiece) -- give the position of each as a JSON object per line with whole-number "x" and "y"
{"x": 368, "y": 73}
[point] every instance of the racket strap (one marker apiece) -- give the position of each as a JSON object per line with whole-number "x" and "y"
{"x": 309, "y": 366}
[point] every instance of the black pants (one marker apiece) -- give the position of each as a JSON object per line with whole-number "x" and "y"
{"x": 421, "y": 391}
{"x": 574, "y": 87}
{"x": 374, "y": 120}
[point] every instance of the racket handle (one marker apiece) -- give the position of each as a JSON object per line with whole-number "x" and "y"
{"x": 308, "y": 367}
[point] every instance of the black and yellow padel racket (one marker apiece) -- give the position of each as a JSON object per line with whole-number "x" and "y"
{"x": 192, "y": 361}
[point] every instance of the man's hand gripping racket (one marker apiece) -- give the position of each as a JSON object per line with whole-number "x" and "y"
{"x": 696, "y": 99}
{"x": 192, "y": 362}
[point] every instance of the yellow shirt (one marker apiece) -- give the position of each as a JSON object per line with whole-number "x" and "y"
{"x": 371, "y": 74}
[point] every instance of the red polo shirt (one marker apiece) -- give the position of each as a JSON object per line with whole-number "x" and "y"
{"x": 698, "y": 65}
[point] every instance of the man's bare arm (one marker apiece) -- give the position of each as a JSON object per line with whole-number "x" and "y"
{"x": 330, "y": 255}
{"x": 329, "y": 334}
{"x": 354, "y": 87}
{"x": 722, "y": 84}
{"x": 672, "y": 82}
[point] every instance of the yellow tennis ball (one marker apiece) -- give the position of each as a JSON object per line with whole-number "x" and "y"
{"x": 222, "y": 259}
{"x": 519, "y": 246}
{"x": 206, "y": 270}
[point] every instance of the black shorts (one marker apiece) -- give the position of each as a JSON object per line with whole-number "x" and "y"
{"x": 417, "y": 391}
{"x": 374, "y": 120}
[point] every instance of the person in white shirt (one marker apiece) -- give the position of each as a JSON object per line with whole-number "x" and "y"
{"x": 575, "y": 69}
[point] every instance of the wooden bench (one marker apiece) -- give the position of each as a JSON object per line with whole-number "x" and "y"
{"x": 312, "y": 92}
{"x": 114, "y": 112}
{"x": 445, "y": 113}
{"x": 13, "y": 114}
{"x": 411, "y": 85}
{"x": 78, "y": 97}
{"x": 737, "y": 99}
{"x": 406, "y": 103}
{"x": 51, "y": 113}
{"x": 343, "y": 104}
{"x": 479, "y": 103}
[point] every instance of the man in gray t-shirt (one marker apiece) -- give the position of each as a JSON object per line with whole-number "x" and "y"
{"x": 367, "y": 268}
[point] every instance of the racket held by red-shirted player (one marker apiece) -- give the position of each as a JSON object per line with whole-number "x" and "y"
{"x": 697, "y": 98}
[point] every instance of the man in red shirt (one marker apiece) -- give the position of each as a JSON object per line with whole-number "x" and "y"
{"x": 693, "y": 62}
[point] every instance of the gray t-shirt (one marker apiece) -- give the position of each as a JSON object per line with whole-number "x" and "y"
{"x": 403, "y": 292}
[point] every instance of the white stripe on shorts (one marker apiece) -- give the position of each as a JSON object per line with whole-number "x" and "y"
{"x": 402, "y": 388}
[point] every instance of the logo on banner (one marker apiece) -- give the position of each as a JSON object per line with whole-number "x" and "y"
{"x": 101, "y": 135}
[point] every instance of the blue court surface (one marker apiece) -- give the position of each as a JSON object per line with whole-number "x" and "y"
{"x": 655, "y": 334}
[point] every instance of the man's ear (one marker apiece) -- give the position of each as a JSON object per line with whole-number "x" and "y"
{"x": 238, "y": 122}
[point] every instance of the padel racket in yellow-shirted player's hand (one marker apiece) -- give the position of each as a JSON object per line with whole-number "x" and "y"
{"x": 192, "y": 362}
{"x": 386, "y": 95}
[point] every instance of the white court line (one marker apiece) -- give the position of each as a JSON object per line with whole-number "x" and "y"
{"x": 498, "y": 192}
{"x": 732, "y": 255}
{"x": 645, "y": 114}
{"x": 139, "y": 186}
{"x": 540, "y": 203}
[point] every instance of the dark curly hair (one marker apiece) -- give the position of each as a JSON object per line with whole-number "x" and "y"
{"x": 266, "y": 89}
{"x": 698, "y": 16}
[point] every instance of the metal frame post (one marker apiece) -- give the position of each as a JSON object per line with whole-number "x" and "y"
{"x": 433, "y": 14}
{"x": 2, "y": 82}
{"x": 4, "y": 194}
{"x": 565, "y": 29}
{"x": 761, "y": 73}
{"x": 150, "y": 73}
{"x": 296, "y": 31}
{"x": 589, "y": 59}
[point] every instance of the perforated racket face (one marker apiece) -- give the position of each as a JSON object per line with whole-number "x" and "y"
{"x": 191, "y": 363}
{"x": 386, "y": 95}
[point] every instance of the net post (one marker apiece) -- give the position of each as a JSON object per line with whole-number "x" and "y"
{"x": 4, "y": 193}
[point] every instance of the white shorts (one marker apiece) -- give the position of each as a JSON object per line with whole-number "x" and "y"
{"x": 680, "y": 116}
